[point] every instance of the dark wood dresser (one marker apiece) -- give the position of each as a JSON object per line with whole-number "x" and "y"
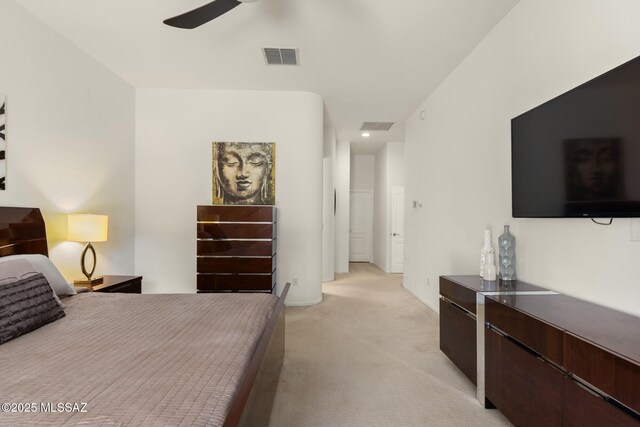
{"x": 236, "y": 248}
{"x": 462, "y": 300}
{"x": 542, "y": 358}
{"x": 559, "y": 361}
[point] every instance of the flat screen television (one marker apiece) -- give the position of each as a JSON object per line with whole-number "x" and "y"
{"x": 578, "y": 155}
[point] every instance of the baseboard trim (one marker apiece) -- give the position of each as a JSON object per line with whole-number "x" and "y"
{"x": 303, "y": 304}
{"x": 422, "y": 300}
{"x": 383, "y": 268}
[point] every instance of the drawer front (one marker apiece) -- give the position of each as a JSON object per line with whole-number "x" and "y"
{"x": 126, "y": 288}
{"x": 236, "y": 231}
{"x": 236, "y": 265}
{"x": 237, "y": 213}
{"x": 525, "y": 389}
{"x": 582, "y": 408}
{"x": 235, "y": 282}
{"x": 617, "y": 377}
{"x": 493, "y": 366}
{"x": 454, "y": 292}
{"x": 533, "y": 333}
{"x": 237, "y": 247}
{"x": 458, "y": 338}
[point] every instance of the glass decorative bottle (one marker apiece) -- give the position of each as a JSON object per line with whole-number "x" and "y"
{"x": 507, "y": 259}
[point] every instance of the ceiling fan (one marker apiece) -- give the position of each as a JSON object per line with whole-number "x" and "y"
{"x": 204, "y": 14}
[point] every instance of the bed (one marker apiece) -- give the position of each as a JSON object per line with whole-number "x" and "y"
{"x": 127, "y": 359}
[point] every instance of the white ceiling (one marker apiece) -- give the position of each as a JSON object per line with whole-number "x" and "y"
{"x": 371, "y": 60}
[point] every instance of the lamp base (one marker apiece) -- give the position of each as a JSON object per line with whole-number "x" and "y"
{"x": 94, "y": 281}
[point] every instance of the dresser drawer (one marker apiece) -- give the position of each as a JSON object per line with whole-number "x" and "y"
{"x": 458, "y": 338}
{"x": 236, "y": 265}
{"x": 458, "y": 294}
{"x": 131, "y": 288}
{"x": 527, "y": 390}
{"x": 617, "y": 377}
{"x": 235, "y": 282}
{"x": 237, "y": 213}
{"x": 119, "y": 284}
{"x": 539, "y": 336}
{"x": 583, "y": 408}
{"x": 236, "y": 231}
{"x": 237, "y": 247}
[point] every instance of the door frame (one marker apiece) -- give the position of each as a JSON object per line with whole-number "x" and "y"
{"x": 390, "y": 227}
{"x": 369, "y": 220}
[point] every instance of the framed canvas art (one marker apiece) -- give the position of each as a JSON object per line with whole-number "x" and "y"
{"x": 244, "y": 173}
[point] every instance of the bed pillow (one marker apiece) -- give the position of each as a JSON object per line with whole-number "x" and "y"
{"x": 42, "y": 264}
{"x": 12, "y": 269}
{"x": 15, "y": 268}
{"x": 26, "y": 305}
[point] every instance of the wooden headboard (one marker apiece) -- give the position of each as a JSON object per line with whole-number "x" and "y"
{"x": 22, "y": 231}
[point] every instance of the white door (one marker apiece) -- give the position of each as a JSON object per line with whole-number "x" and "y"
{"x": 360, "y": 223}
{"x": 397, "y": 229}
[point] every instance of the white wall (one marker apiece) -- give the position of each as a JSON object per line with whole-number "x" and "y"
{"x": 389, "y": 172}
{"x": 70, "y": 139}
{"x": 458, "y": 158}
{"x": 380, "y": 208}
{"x": 396, "y": 164}
{"x": 328, "y": 203}
{"x": 362, "y": 167}
{"x": 342, "y": 182}
{"x": 174, "y": 132}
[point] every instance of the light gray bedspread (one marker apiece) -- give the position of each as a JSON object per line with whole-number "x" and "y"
{"x": 134, "y": 360}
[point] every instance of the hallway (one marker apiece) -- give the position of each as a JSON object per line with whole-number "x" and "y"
{"x": 368, "y": 356}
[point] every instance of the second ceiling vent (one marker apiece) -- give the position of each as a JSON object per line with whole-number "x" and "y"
{"x": 276, "y": 56}
{"x": 376, "y": 126}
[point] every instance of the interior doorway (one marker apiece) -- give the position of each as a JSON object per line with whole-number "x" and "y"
{"x": 360, "y": 226}
{"x": 397, "y": 229}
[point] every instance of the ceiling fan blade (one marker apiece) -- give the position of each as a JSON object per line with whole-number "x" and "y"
{"x": 202, "y": 15}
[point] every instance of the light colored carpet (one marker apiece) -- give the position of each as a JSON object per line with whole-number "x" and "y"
{"x": 368, "y": 356}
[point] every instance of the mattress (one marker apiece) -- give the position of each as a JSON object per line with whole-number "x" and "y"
{"x": 139, "y": 360}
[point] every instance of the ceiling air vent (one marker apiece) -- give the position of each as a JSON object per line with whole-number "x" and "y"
{"x": 376, "y": 126}
{"x": 275, "y": 56}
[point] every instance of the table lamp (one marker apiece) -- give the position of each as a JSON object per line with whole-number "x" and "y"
{"x": 87, "y": 229}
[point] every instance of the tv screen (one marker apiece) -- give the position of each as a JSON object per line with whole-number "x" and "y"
{"x": 578, "y": 155}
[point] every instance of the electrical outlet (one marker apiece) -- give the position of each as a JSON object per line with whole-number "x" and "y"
{"x": 294, "y": 281}
{"x": 428, "y": 282}
{"x": 635, "y": 229}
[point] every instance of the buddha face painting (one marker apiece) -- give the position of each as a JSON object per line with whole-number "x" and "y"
{"x": 243, "y": 173}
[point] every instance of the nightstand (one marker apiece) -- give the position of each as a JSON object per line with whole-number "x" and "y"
{"x": 121, "y": 284}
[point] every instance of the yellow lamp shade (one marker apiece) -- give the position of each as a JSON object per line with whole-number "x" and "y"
{"x": 87, "y": 228}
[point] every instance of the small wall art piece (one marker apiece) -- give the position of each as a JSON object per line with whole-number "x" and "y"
{"x": 244, "y": 173}
{"x": 3, "y": 140}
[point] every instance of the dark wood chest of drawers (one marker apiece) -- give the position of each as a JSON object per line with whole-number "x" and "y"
{"x": 236, "y": 248}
